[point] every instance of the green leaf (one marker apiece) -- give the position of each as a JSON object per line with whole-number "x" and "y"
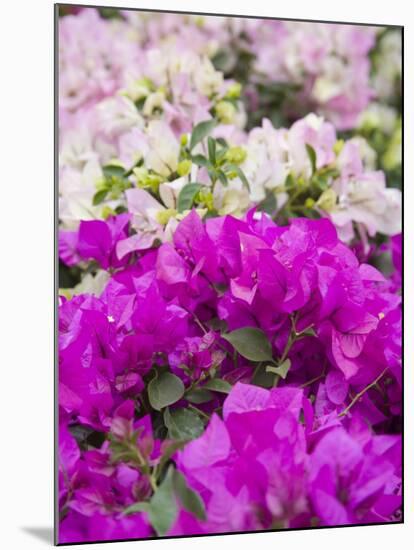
{"x": 262, "y": 378}
{"x": 320, "y": 183}
{"x": 240, "y": 173}
{"x": 269, "y": 204}
{"x": 220, "y": 155}
{"x": 190, "y": 499}
{"x": 200, "y": 160}
{"x": 290, "y": 182}
{"x": 251, "y": 343}
{"x": 99, "y": 196}
{"x": 201, "y": 131}
{"x": 212, "y": 172}
{"x": 199, "y": 395}
{"x": 187, "y": 196}
{"x": 113, "y": 170}
{"x": 217, "y": 324}
{"x": 222, "y": 177}
{"x": 211, "y": 144}
{"x": 219, "y": 385}
{"x": 221, "y": 141}
{"x": 169, "y": 448}
{"x": 110, "y": 13}
{"x": 183, "y": 424}
{"x": 282, "y": 370}
{"x": 163, "y": 510}
{"x": 121, "y": 209}
{"x": 312, "y": 156}
{"x": 307, "y": 332}
{"x": 137, "y": 507}
{"x": 80, "y": 433}
{"x": 221, "y": 60}
{"x": 165, "y": 390}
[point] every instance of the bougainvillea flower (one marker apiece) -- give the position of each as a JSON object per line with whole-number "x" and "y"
{"x": 230, "y": 260}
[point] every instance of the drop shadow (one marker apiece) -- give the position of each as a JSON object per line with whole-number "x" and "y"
{"x": 44, "y": 534}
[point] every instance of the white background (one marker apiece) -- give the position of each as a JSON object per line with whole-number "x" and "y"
{"x": 26, "y": 272}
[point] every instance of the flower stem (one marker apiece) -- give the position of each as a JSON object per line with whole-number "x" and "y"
{"x": 361, "y": 393}
{"x": 153, "y": 483}
{"x": 291, "y": 340}
{"x": 319, "y": 377}
{"x": 198, "y": 322}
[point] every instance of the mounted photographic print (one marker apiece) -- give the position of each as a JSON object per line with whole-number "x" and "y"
{"x": 229, "y": 301}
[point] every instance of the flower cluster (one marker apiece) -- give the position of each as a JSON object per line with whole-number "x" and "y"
{"x": 303, "y": 170}
{"x": 328, "y": 62}
{"x": 260, "y": 467}
{"x": 230, "y": 277}
{"x": 227, "y": 301}
{"x": 94, "y": 56}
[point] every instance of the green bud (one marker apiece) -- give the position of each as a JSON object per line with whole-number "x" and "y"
{"x": 309, "y": 203}
{"x": 154, "y": 181}
{"x": 236, "y": 155}
{"x": 184, "y": 167}
{"x": 163, "y": 216}
{"x": 327, "y": 200}
{"x": 101, "y": 184}
{"x": 146, "y": 83}
{"x": 162, "y": 90}
{"x": 107, "y": 211}
{"x": 184, "y": 140}
{"x": 145, "y": 179}
{"x": 66, "y": 292}
{"x": 225, "y": 112}
{"x": 205, "y": 197}
{"x": 234, "y": 90}
{"x": 141, "y": 88}
{"x": 115, "y": 193}
{"x": 141, "y": 174}
{"x": 339, "y": 144}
